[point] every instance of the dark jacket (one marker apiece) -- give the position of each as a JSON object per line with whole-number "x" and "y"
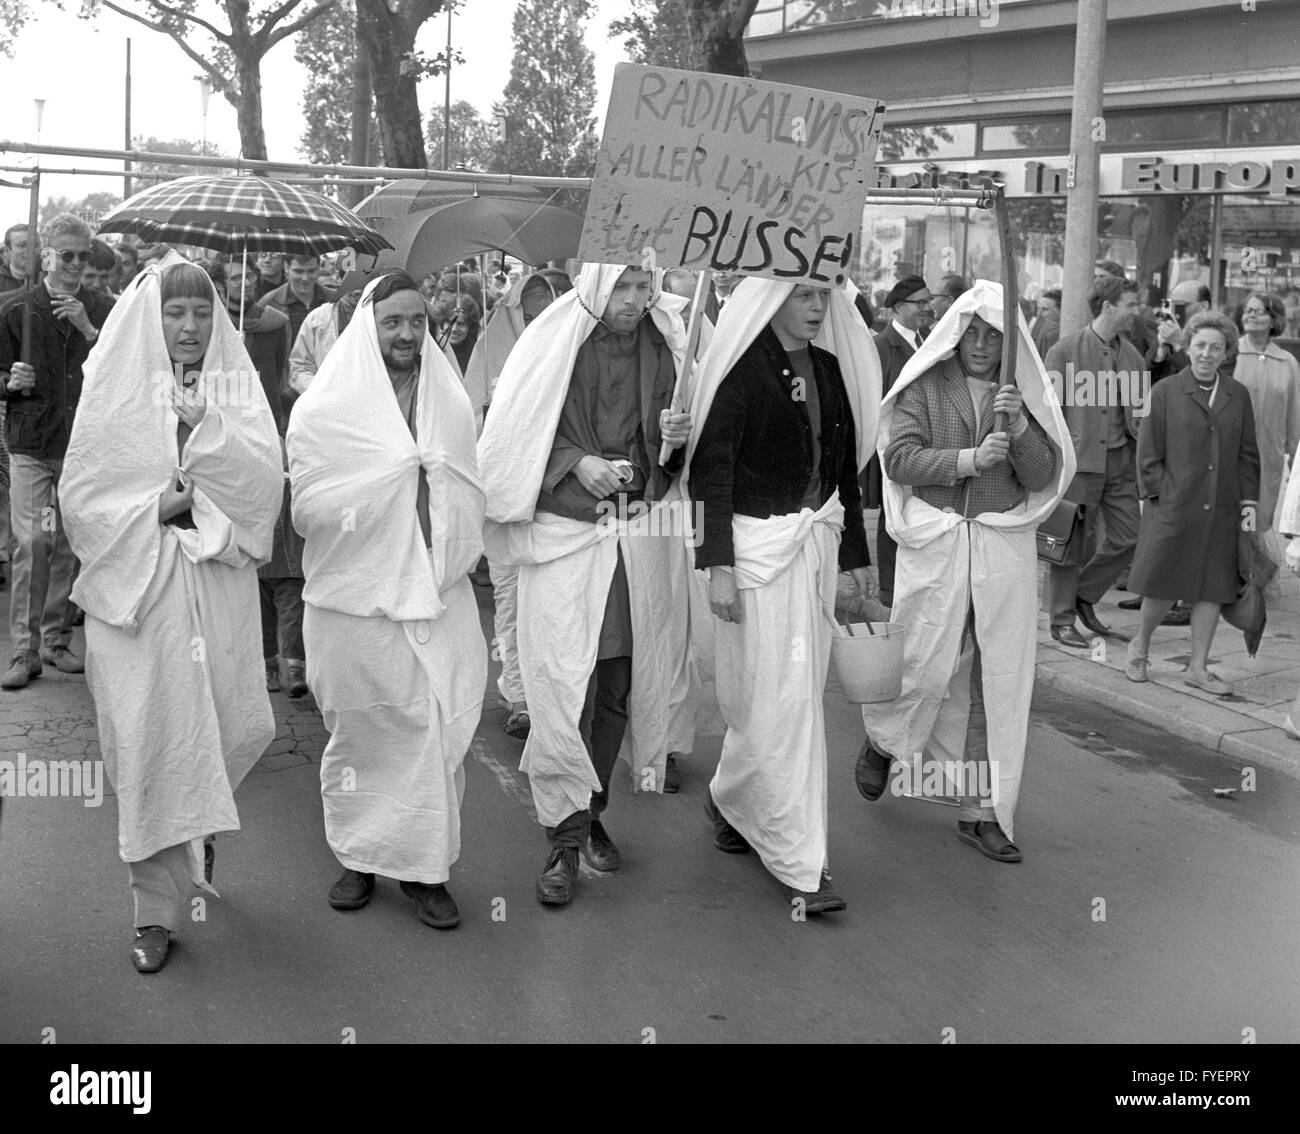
{"x": 9, "y": 281}
{"x": 894, "y": 351}
{"x": 1195, "y": 466}
{"x": 754, "y": 455}
{"x": 39, "y": 422}
{"x": 282, "y": 299}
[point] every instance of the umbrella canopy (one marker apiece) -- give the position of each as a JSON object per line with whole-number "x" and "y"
{"x": 242, "y": 213}
{"x": 411, "y": 195}
{"x": 435, "y": 238}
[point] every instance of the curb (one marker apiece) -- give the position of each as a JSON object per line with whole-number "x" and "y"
{"x": 1240, "y": 739}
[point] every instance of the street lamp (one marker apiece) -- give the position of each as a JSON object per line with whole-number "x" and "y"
{"x": 205, "y": 93}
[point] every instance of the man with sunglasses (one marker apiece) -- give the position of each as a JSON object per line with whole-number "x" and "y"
{"x": 41, "y": 397}
{"x": 912, "y": 308}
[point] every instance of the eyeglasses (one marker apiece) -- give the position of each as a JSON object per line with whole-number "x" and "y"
{"x": 926, "y": 302}
{"x": 989, "y": 337}
{"x": 67, "y": 257}
{"x": 1255, "y": 311}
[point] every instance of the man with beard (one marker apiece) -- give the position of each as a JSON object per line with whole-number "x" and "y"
{"x": 387, "y": 497}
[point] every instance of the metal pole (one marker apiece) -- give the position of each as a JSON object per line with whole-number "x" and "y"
{"x": 446, "y": 109}
{"x": 126, "y": 167}
{"x": 257, "y": 165}
{"x": 33, "y": 266}
{"x": 1082, "y": 177}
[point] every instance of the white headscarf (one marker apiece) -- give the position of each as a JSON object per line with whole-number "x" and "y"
{"x": 751, "y": 307}
{"x": 913, "y": 522}
{"x": 122, "y": 455}
{"x": 354, "y": 467}
{"x": 520, "y": 429}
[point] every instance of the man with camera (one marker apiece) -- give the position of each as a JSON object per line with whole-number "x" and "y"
{"x": 41, "y": 395}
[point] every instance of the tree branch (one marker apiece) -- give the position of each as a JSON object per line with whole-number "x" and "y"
{"x": 220, "y": 82}
{"x": 169, "y": 11}
{"x": 296, "y": 25}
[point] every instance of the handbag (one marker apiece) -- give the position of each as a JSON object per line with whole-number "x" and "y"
{"x": 1060, "y": 536}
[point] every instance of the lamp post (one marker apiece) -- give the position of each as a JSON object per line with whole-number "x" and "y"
{"x": 205, "y": 93}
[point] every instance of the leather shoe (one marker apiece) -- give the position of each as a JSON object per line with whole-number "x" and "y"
{"x": 434, "y": 905}
{"x": 871, "y": 772}
{"x": 1069, "y": 636}
{"x": 297, "y": 682}
{"x": 22, "y": 669}
{"x": 599, "y": 849}
{"x": 1178, "y": 616}
{"x": 352, "y": 891}
{"x": 149, "y": 949}
{"x": 1088, "y": 616}
{"x": 725, "y": 836}
{"x": 672, "y": 777}
{"x": 989, "y": 839}
{"x": 823, "y": 900}
{"x": 62, "y": 659}
{"x": 556, "y": 881}
{"x": 1134, "y": 603}
{"x": 272, "y": 675}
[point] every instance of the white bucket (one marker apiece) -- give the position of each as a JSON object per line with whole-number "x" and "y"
{"x": 870, "y": 665}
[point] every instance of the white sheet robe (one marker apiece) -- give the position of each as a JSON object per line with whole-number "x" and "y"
{"x": 173, "y": 623}
{"x": 947, "y": 566}
{"x": 566, "y": 566}
{"x": 395, "y": 655}
{"x": 771, "y": 669}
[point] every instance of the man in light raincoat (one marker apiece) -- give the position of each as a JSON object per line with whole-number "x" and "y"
{"x": 577, "y": 497}
{"x": 963, "y": 501}
{"x": 387, "y": 497}
{"x": 786, "y": 410}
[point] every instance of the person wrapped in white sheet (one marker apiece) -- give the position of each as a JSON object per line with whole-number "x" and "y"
{"x": 786, "y": 411}
{"x": 963, "y": 501}
{"x": 514, "y": 311}
{"x": 602, "y": 565}
{"x": 387, "y": 497}
{"x": 170, "y": 492}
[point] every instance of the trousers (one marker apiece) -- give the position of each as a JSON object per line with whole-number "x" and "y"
{"x": 157, "y": 883}
{"x": 44, "y": 567}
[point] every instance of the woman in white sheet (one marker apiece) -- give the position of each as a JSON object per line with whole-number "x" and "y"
{"x": 170, "y": 492}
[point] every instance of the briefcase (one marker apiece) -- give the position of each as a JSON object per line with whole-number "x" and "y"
{"x": 1060, "y": 536}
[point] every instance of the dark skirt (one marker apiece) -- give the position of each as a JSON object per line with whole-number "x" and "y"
{"x": 1192, "y": 558}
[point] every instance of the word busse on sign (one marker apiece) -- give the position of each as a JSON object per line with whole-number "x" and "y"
{"x": 730, "y": 174}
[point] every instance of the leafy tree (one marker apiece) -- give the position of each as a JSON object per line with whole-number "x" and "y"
{"x": 472, "y": 138}
{"x": 327, "y": 49}
{"x": 548, "y": 101}
{"x": 179, "y": 146}
{"x": 659, "y": 33}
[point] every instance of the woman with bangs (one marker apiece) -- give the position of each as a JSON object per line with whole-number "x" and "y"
{"x": 171, "y": 488}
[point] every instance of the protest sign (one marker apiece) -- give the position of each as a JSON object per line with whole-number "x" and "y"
{"x": 730, "y": 174}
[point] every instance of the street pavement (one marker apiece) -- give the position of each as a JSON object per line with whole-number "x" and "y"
{"x": 1148, "y": 908}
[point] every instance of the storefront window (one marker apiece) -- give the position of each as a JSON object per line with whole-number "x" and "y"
{"x": 1259, "y": 250}
{"x": 912, "y": 143}
{"x": 1264, "y": 123}
{"x": 1125, "y": 129}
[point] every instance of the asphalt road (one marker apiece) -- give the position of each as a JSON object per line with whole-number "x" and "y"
{"x": 685, "y": 944}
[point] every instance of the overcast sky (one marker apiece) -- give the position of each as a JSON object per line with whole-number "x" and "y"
{"x": 79, "y": 68}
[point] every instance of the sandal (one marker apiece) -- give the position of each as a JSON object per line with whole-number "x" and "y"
{"x": 1213, "y": 684}
{"x": 989, "y": 839}
{"x": 518, "y": 725}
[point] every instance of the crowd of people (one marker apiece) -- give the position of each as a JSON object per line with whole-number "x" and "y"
{"x": 199, "y": 452}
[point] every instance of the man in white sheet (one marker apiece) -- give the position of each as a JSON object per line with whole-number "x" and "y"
{"x": 963, "y": 499}
{"x": 570, "y": 459}
{"x": 785, "y": 427}
{"x": 387, "y": 497}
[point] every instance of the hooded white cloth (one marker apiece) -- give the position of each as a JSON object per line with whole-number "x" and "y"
{"x": 173, "y": 622}
{"x": 566, "y": 566}
{"x": 771, "y": 668}
{"x": 395, "y": 655}
{"x": 947, "y": 565}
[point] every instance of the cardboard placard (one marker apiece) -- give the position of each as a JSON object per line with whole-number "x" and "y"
{"x": 718, "y": 172}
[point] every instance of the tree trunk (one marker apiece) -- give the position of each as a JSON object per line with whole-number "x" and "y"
{"x": 387, "y": 38}
{"x": 718, "y": 27}
{"x": 362, "y": 105}
{"x": 248, "y": 108}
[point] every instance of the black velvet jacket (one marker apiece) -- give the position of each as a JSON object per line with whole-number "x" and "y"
{"x": 754, "y": 455}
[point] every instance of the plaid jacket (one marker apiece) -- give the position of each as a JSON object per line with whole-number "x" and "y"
{"x": 934, "y": 419}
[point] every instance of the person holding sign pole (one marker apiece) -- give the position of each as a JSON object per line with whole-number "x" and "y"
{"x": 785, "y": 428}
{"x": 577, "y": 496}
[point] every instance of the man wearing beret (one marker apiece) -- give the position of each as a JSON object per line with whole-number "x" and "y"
{"x": 910, "y": 304}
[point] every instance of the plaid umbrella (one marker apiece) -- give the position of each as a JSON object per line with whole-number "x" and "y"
{"x": 242, "y": 213}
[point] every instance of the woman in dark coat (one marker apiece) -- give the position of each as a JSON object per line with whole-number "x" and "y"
{"x": 1198, "y": 471}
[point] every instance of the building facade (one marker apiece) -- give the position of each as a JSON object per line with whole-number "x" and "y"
{"x": 1200, "y": 139}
